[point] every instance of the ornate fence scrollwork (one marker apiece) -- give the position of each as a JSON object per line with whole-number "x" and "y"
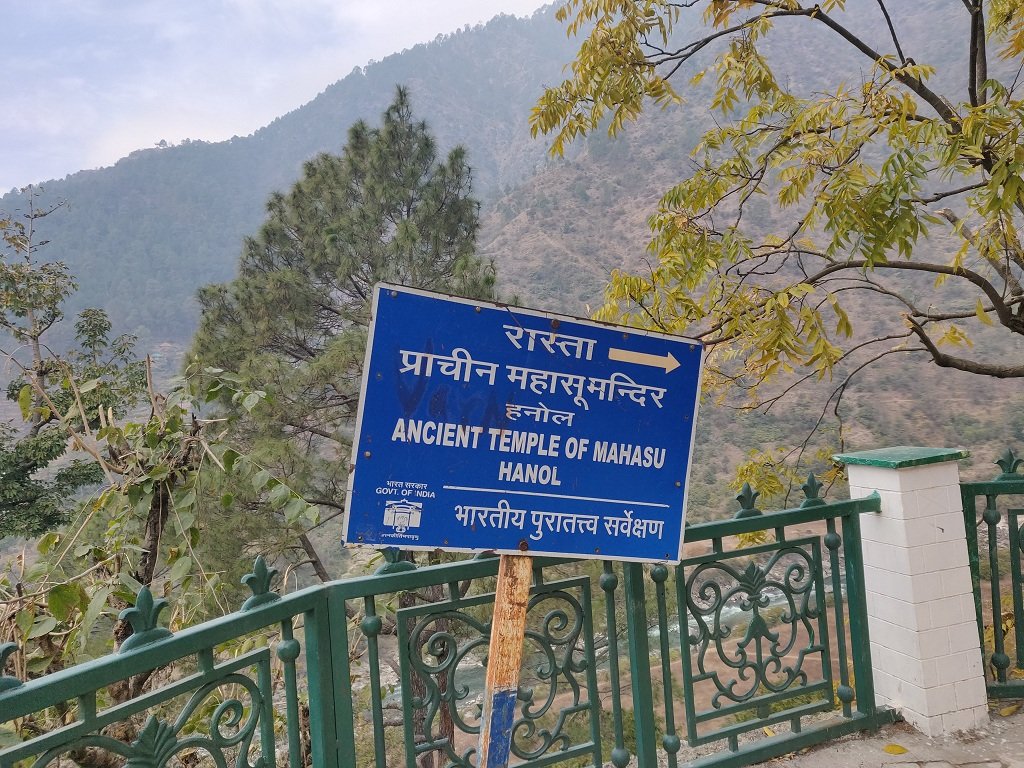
{"x": 756, "y": 634}
{"x": 995, "y": 546}
{"x": 744, "y": 635}
{"x": 445, "y": 646}
{"x": 222, "y": 737}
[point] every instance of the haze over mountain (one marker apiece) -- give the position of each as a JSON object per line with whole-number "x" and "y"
{"x": 89, "y": 82}
{"x": 142, "y": 235}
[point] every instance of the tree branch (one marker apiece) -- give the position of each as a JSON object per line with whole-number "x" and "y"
{"x": 892, "y": 32}
{"x": 314, "y": 556}
{"x": 1001, "y": 268}
{"x": 999, "y": 306}
{"x": 948, "y": 193}
{"x": 943, "y": 360}
{"x": 936, "y": 102}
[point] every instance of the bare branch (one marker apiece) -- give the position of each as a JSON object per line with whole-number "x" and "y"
{"x": 936, "y": 197}
{"x": 936, "y": 102}
{"x": 1000, "y": 267}
{"x": 943, "y": 360}
{"x": 770, "y": 402}
{"x": 998, "y": 304}
{"x": 892, "y": 32}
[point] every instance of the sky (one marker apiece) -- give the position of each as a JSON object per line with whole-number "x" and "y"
{"x": 85, "y": 82}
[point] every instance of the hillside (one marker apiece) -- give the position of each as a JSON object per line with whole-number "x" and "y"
{"x": 143, "y": 235}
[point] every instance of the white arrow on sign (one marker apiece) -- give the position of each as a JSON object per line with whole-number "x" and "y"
{"x": 666, "y": 361}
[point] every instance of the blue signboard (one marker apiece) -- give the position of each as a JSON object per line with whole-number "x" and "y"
{"x": 487, "y": 427}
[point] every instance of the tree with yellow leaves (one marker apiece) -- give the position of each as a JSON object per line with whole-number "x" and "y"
{"x": 889, "y": 182}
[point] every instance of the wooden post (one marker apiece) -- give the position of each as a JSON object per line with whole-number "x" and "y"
{"x": 504, "y": 659}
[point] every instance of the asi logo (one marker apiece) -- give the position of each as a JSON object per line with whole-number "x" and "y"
{"x": 403, "y": 515}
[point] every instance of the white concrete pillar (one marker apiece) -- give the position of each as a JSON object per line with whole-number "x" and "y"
{"x": 924, "y": 637}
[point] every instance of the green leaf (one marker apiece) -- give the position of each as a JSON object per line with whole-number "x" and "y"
{"x": 226, "y": 500}
{"x": 24, "y": 620}
{"x": 229, "y": 458}
{"x": 213, "y": 390}
{"x": 279, "y": 496}
{"x": 42, "y": 626}
{"x": 130, "y": 581}
{"x": 294, "y": 509}
{"x": 260, "y": 479}
{"x": 141, "y": 506}
{"x": 159, "y": 472}
{"x": 63, "y": 599}
{"x": 250, "y": 401}
{"x": 37, "y": 665}
{"x": 186, "y": 519}
{"x": 25, "y": 401}
{"x": 182, "y": 567}
{"x": 96, "y": 605}
{"x": 89, "y": 386}
{"x": 37, "y": 571}
{"x": 184, "y": 500}
{"x": 48, "y": 542}
{"x": 134, "y": 494}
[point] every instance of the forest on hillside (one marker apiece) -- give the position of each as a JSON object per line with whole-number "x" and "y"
{"x": 142, "y": 237}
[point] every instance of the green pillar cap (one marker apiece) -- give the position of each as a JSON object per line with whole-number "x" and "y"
{"x": 902, "y": 456}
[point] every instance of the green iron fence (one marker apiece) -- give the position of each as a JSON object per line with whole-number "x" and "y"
{"x": 775, "y": 655}
{"x": 995, "y": 543}
{"x": 755, "y": 645}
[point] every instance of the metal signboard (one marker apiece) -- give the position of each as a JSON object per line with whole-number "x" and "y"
{"x": 487, "y": 427}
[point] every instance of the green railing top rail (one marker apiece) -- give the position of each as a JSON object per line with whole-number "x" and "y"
{"x": 263, "y": 609}
{"x": 750, "y": 519}
{"x": 82, "y": 679}
{"x": 1008, "y": 481}
{"x": 996, "y": 487}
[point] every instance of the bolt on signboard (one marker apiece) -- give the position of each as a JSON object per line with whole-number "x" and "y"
{"x": 489, "y": 427}
{"x": 485, "y": 427}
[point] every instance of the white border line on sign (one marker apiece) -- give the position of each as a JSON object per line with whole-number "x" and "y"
{"x": 555, "y": 496}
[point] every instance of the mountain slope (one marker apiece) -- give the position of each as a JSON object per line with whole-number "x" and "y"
{"x": 143, "y": 235}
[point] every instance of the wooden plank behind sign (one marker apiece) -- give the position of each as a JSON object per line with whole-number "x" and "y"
{"x": 504, "y": 659}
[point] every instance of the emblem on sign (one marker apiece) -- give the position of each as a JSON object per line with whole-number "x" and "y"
{"x": 402, "y": 515}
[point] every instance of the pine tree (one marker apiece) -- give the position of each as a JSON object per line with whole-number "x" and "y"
{"x": 294, "y": 321}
